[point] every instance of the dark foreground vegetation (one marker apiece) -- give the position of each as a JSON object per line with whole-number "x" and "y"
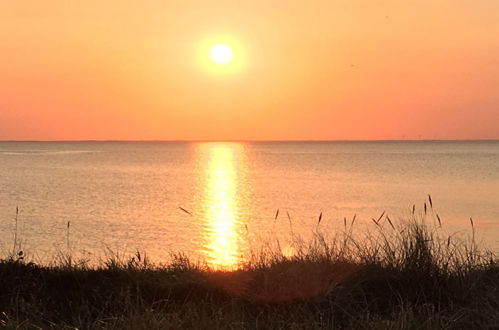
{"x": 402, "y": 276}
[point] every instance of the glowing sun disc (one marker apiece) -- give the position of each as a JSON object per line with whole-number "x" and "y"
{"x": 221, "y": 54}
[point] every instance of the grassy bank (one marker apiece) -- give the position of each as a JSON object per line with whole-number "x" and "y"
{"x": 401, "y": 276}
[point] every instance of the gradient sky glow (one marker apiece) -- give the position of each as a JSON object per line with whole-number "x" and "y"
{"x": 332, "y": 69}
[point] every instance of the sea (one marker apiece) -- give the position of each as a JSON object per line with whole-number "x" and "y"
{"x": 219, "y": 202}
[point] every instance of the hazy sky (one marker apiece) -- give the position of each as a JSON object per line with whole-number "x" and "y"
{"x": 349, "y": 69}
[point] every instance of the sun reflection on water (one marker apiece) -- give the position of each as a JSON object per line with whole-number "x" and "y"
{"x": 222, "y": 171}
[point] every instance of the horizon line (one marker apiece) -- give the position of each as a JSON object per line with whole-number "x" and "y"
{"x": 254, "y": 140}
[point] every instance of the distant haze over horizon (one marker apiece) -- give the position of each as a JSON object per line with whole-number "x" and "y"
{"x": 245, "y": 141}
{"x": 250, "y": 141}
{"x": 300, "y": 71}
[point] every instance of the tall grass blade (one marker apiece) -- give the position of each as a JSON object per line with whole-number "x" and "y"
{"x": 189, "y": 213}
{"x": 390, "y": 222}
{"x": 290, "y": 224}
{"x": 381, "y": 216}
{"x": 15, "y": 230}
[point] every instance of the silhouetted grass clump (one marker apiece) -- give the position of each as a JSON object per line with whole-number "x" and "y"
{"x": 400, "y": 276}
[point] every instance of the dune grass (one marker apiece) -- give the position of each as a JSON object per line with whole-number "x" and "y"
{"x": 405, "y": 275}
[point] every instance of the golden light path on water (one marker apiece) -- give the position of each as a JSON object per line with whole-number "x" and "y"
{"x": 223, "y": 232}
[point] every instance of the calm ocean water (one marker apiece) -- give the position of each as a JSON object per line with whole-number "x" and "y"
{"x": 123, "y": 196}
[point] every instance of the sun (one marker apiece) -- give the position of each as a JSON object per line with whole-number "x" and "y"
{"x": 221, "y": 54}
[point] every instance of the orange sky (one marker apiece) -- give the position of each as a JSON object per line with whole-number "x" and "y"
{"x": 345, "y": 69}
